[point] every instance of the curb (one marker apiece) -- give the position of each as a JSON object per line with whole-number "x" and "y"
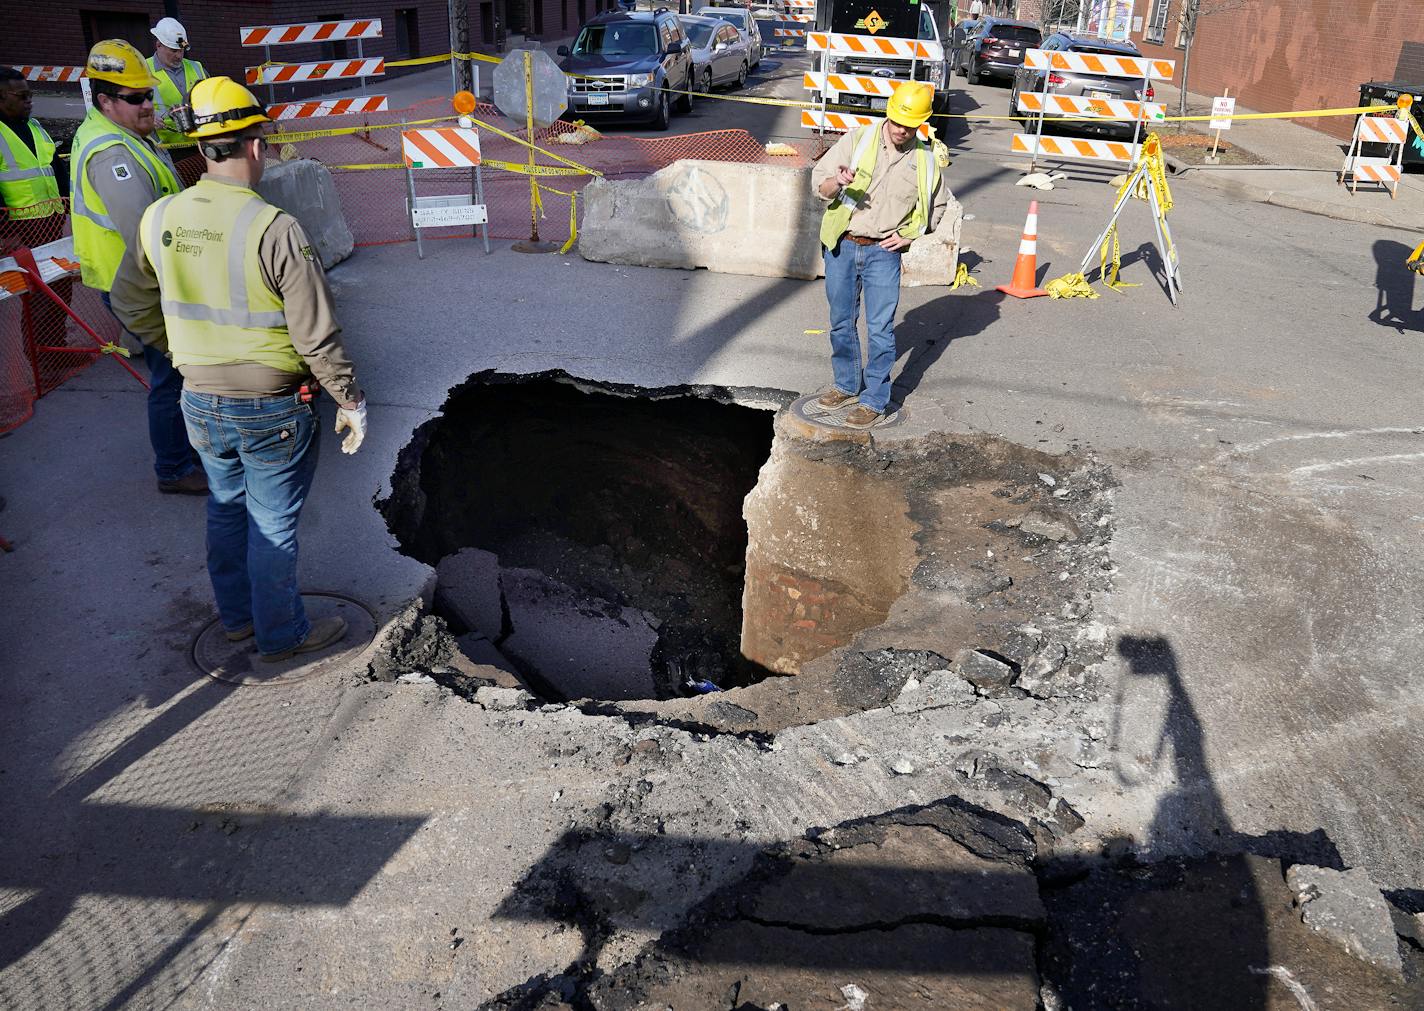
{"x": 1290, "y": 201}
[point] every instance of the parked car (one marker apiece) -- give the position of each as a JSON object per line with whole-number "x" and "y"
{"x": 996, "y": 48}
{"x": 959, "y": 39}
{"x": 628, "y": 64}
{"x": 746, "y": 24}
{"x": 720, "y": 55}
{"x": 1062, "y": 82}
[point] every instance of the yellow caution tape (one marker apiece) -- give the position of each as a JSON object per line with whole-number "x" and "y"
{"x": 573, "y": 215}
{"x": 963, "y": 277}
{"x": 1111, "y": 280}
{"x": 813, "y": 331}
{"x": 1070, "y": 286}
{"x": 1416, "y": 259}
{"x": 111, "y": 348}
{"x": 297, "y": 136}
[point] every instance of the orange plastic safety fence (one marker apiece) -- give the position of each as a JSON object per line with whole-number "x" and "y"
{"x": 40, "y": 345}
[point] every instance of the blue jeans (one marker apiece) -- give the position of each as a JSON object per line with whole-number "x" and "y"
{"x": 172, "y": 455}
{"x": 260, "y": 455}
{"x": 853, "y": 269}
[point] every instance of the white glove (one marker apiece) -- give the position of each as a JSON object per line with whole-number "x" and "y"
{"x": 353, "y": 418}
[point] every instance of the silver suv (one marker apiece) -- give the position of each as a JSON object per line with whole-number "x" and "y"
{"x": 1062, "y": 82}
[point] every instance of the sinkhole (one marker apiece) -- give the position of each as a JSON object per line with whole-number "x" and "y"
{"x": 590, "y": 542}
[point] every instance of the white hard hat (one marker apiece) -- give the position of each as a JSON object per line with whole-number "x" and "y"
{"x": 170, "y": 33}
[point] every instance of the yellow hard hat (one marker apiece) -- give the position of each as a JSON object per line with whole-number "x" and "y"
{"x": 221, "y": 105}
{"x": 117, "y": 62}
{"x": 911, "y": 104}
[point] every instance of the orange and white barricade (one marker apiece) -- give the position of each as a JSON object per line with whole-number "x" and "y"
{"x": 329, "y": 107}
{"x": 870, "y": 45}
{"x": 827, "y": 86}
{"x": 444, "y": 147}
{"x": 1043, "y": 103}
{"x": 844, "y": 122}
{"x": 1384, "y": 170}
{"x": 330, "y": 70}
{"x": 64, "y": 75}
{"x": 309, "y": 33}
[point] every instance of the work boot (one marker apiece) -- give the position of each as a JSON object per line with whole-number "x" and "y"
{"x": 195, "y": 482}
{"x": 324, "y": 632}
{"x": 238, "y": 634}
{"x": 834, "y": 400}
{"x": 860, "y": 417}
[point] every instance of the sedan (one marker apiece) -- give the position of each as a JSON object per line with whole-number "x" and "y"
{"x": 746, "y": 24}
{"x": 719, "y": 53}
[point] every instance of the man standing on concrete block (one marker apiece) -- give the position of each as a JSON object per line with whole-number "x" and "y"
{"x": 176, "y": 75}
{"x": 230, "y": 287}
{"x": 116, "y": 172}
{"x": 884, "y": 191}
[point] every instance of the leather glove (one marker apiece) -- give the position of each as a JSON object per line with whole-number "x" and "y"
{"x": 353, "y": 418}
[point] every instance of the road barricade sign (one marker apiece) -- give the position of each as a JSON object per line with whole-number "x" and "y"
{"x": 843, "y": 122}
{"x": 272, "y": 74}
{"x": 869, "y": 45}
{"x": 834, "y": 85}
{"x": 1385, "y": 170}
{"x": 66, "y": 75}
{"x": 328, "y": 107}
{"x": 445, "y": 147}
{"x": 1042, "y": 104}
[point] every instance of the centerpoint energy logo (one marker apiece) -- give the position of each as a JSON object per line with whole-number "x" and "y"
{"x": 872, "y": 22}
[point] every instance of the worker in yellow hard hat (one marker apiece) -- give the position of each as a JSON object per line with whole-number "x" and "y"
{"x": 115, "y": 172}
{"x": 883, "y": 189}
{"x": 231, "y": 288}
{"x": 176, "y": 75}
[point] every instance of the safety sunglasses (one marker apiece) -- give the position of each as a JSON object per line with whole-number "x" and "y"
{"x": 137, "y": 98}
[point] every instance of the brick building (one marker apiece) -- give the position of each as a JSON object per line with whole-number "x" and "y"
{"x": 60, "y": 32}
{"x": 1277, "y": 56}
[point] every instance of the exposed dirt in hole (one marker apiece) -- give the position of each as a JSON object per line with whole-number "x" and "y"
{"x": 614, "y": 523}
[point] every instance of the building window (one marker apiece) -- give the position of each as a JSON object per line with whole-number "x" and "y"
{"x": 1157, "y": 21}
{"x": 408, "y": 31}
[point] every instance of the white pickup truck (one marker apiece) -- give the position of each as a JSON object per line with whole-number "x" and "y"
{"x": 896, "y": 19}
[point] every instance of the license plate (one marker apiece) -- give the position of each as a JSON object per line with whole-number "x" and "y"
{"x": 1015, "y": 52}
{"x": 878, "y": 104}
{"x": 1105, "y": 95}
{"x": 597, "y": 99}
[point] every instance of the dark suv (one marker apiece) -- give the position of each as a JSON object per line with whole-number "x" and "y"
{"x": 996, "y": 48}
{"x": 629, "y": 64}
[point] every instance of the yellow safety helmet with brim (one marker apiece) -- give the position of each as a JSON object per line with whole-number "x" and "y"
{"x": 911, "y": 104}
{"x": 219, "y": 106}
{"x": 117, "y": 62}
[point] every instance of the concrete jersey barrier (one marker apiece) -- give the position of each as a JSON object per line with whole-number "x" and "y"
{"x": 734, "y": 218}
{"x": 305, "y": 190}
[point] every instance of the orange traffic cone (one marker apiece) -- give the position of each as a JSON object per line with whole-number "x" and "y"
{"x": 1026, "y": 266}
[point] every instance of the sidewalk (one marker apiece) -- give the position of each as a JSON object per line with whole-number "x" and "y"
{"x": 1300, "y": 171}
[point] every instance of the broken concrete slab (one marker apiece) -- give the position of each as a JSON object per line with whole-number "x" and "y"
{"x": 1347, "y": 907}
{"x": 1050, "y": 524}
{"x": 734, "y": 218}
{"x": 468, "y": 589}
{"x": 304, "y": 189}
{"x": 985, "y": 672}
{"x": 581, "y": 647}
{"x": 1037, "y": 676}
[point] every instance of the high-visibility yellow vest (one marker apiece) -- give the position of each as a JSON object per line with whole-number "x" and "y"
{"x": 217, "y": 307}
{"x": 97, "y": 243}
{"x": 166, "y": 96}
{"x": 27, "y": 183}
{"x": 837, "y": 217}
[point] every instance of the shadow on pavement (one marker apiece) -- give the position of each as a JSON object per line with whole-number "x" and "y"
{"x": 927, "y": 331}
{"x": 1394, "y": 287}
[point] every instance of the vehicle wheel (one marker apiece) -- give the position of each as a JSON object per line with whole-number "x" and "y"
{"x": 684, "y": 101}
{"x": 742, "y": 77}
{"x": 707, "y": 81}
{"x": 664, "y": 116}
{"x": 971, "y": 73}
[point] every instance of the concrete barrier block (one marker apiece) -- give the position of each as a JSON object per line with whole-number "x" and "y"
{"x": 733, "y": 218}
{"x": 304, "y": 189}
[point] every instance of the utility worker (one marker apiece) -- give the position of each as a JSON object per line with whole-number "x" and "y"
{"x": 230, "y": 287}
{"x": 116, "y": 172}
{"x": 884, "y": 190}
{"x": 29, "y": 187}
{"x": 176, "y": 75}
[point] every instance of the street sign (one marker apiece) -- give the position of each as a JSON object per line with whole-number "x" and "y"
{"x": 442, "y": 211}
{"x": 549, "y": 85}
{"x": 1222, "y": 109}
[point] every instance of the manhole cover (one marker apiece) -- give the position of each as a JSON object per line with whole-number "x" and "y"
{"x": 238, "y": 663}
{"x": 808, "y": 410}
